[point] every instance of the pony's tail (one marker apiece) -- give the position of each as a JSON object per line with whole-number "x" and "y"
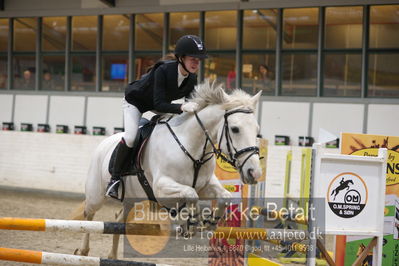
{"x": 79, "y": 212}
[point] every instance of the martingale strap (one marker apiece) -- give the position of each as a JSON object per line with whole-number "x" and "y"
{"x": 141, "y": 176}
{"x": 197, "y": 164}
{"x": 146, "y": 186}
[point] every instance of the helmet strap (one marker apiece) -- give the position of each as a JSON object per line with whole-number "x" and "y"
{"x": 182, "y": 64}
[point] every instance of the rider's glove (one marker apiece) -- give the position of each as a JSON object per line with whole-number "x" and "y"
{"x": 189, "y": 107}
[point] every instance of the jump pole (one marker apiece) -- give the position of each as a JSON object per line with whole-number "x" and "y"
{"x": 52, "y": 225}
{"x": 47, "y": 258}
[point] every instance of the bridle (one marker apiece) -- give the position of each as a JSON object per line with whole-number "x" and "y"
{"x": 233, "y": 153}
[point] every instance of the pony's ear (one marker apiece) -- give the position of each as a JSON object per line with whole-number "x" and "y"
{"x": 255, "y": 98}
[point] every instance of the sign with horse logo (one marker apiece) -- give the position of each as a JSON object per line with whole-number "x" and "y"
{"x": 347, "y": 195}
{"x": 349, "y": 192}
{"x": 354, "y": 191}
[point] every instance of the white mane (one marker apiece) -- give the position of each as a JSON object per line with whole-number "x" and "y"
{"x": 208, "y": 93}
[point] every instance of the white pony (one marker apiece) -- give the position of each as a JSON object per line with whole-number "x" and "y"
{"x": 222, "y": 119}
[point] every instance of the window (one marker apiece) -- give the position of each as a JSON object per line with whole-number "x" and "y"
{"x": 115, "y": 72}
{"x": 220, "y": 30}
{"x": 383, "y": 55}
{"x": 25, "y": 34}
{"x": 299, "y": 74}
{"x": 259, "y": 29}
{"x": 220, "y": 40}
{"x": 342, "y": 74}
{"x": 299, "y": 54}
{"x": 221, "y": 67}
{"x": 3, "y": 72}
{"x": 341, "y": 54}
{"x": 53, "y": 72}
{"x": 344, "y": 27}
{"x": 3, "y": 35}
{"x": 116, "y": 33}
{"x": 114, "y": 67}
{"x": 24, "y": 72}
{"x": 53, "y": 33}
{"x": 383, "y": 75}
{"x": 259, "y": 44}
{"x": 24, "y": 56}
{"x": 83, "y": 72}
{"x": 342, "y": 57}
{"x": 258, "y": 73}
{"x": 182, "y": 24}
{"x": 384, "y": 26}
{"x": 300, "y": 28}
{"x": 84, "y": 33}
{"x": 149, "y": 32}
{"x": 4, "y": 29}
{"x": 83, "y": 56}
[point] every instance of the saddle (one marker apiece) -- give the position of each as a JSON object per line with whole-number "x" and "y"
{"x": 132, "y": 165}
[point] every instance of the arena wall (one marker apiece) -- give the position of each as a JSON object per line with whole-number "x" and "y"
{"x": 56, "y": 162}
{"x": 59, "y": 162}
{"x": 292, "y": 118}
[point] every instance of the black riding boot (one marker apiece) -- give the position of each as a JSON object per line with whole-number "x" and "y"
{"x": 121, "y": 153}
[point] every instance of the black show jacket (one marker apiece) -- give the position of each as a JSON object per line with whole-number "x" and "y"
{"x": 156, "y": 89}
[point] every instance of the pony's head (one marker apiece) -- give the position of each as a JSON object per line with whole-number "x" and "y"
{"x": 238, "y": 130}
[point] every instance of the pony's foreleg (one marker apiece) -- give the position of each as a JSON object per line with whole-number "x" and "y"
{"x": 85, "y": 248}
{"x": 166, "y": 188}
{"x": 215, "y": 191}
{"x": 113, "y": 254}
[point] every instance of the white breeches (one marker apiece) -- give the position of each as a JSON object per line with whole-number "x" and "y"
{"x": 131, "y": 119}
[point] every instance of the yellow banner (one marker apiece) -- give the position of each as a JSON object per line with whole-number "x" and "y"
{"x": 368, "y": 145}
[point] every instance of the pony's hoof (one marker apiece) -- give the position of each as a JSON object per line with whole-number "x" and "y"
{"x": 209, "y": 226}
{"x": 212, "y": 227}
{"x": 80, "y": 252}
{"x": 226, "y": 195}
{"x": 189, "y": 194}
{"x": 112, "y": 256}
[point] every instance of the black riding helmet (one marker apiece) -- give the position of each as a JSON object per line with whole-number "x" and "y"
{"x": 190, "y": 45}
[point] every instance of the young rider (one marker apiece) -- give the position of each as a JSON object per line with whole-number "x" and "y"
{"x": 171, "y": 80}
